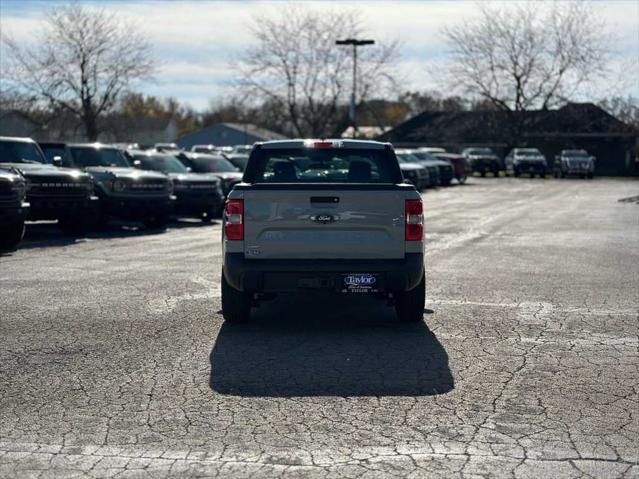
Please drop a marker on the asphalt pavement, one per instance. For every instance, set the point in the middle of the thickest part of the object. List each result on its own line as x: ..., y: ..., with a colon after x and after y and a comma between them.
x: 115, y: 361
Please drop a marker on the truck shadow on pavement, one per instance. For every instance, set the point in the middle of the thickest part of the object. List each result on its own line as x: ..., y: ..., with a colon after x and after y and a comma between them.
x: 294, y: 347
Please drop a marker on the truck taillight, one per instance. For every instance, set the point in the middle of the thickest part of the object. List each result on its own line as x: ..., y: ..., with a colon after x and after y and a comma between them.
x: 234, y: 219
x: 414, y: 220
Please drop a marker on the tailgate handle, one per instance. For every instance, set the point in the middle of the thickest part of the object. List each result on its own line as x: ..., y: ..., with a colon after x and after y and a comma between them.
x: 324, y: 199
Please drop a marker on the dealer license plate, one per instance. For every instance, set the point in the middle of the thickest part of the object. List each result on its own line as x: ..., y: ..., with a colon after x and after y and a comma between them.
x: 360, y: 283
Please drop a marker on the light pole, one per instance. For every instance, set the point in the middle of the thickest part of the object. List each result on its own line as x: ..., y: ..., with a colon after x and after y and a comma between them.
x: 355, y: 43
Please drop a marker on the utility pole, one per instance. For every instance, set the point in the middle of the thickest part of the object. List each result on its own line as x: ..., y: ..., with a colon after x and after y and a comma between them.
x: 355, y: 43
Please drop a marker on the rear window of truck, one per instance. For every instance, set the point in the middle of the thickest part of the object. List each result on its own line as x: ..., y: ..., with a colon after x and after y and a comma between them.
x: 334, y: 165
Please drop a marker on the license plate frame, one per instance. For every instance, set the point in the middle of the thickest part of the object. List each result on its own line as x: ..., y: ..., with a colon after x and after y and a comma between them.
x: 359, y: 283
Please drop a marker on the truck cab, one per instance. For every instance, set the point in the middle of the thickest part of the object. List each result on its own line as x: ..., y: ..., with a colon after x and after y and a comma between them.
x: 326, y: 215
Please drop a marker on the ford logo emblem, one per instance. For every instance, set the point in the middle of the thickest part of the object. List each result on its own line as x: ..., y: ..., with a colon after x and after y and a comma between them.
x: 324, y: 218
x: 360, y: 280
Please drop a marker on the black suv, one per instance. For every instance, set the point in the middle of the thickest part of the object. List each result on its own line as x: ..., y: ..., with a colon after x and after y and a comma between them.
x: 54, y: 193
x: 13, y: 208
x: 197, y: 194
x: 124, y: 192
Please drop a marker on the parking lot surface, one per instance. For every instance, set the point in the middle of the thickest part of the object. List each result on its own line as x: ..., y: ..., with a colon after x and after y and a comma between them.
x: 115, y: 360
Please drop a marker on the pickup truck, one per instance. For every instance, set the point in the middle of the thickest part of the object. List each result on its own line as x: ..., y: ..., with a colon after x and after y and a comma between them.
x: 574, y: 162
x: 334, y: 216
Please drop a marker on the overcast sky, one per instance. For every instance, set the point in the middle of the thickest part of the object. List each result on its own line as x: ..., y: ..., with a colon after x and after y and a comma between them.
x: 196, y: 40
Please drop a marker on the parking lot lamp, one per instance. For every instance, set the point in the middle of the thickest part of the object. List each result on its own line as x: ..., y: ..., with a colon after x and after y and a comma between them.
x: 355, y: 43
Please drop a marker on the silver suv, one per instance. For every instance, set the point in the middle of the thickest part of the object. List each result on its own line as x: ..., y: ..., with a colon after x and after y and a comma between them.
x: 328, y: 215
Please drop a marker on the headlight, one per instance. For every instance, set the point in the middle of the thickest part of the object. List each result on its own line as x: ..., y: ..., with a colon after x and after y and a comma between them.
x: 118, y: 186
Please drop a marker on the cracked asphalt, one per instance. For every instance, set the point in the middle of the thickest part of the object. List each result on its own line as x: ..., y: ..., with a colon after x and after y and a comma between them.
x: 115, y: 362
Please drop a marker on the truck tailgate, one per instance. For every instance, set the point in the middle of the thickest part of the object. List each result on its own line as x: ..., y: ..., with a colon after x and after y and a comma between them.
x: 324, y: 224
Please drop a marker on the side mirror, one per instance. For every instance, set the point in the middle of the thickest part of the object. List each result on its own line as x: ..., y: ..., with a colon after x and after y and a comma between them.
x: 57, y: 161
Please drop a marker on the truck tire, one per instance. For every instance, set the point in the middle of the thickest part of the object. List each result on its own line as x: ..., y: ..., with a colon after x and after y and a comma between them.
x: 236, y: 305
x: 11, y: 235
x: 542, y: 174
x: 462, y: 179
x: 590, y: 176
x: 409, y: 305
x: 516, y: 173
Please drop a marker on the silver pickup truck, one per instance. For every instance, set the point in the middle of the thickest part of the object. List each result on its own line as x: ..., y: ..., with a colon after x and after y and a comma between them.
x: 331, y: 215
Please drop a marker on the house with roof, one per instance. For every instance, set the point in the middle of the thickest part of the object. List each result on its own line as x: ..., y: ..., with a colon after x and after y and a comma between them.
x: 574, y: 126
x: 228, y: 134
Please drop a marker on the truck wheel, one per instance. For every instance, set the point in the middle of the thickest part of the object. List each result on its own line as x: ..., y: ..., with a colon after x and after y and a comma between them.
x: 462, y: 179
x: 516, y: 173
x: 236, y: 305
x: 590, y: 175
x: 542, y: 174
x: 496, y: 173
x: 483, y: 173
x: 11, y: 235
x: 409, y: 305
x: 446, y: 182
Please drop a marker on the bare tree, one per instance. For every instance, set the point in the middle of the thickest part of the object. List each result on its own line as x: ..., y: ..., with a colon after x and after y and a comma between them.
x: 296, y: 65
x: 82, y: 61
x: 623, y: 108
x: 527, y: 55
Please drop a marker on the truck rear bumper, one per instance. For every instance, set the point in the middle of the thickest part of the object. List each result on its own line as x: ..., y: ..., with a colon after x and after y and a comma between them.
x: 285, y: 275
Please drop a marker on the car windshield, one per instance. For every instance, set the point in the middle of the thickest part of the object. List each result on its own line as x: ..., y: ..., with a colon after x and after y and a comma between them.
x: 423, y: 155
x: 90, y: 156
x: 20, y: 152
x: 212, y: 164
x: 306, y: 165
x: 163, y: 163
x: 407, y: 158
x: 528, y: 152
x: 239, y: 160
x: 480, y: 151
x: 576, y: 154
x: 51, y: 151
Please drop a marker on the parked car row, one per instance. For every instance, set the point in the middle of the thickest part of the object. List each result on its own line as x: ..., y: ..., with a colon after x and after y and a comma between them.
x: 427, y: 170
x: 530, y: 161
x: 85, y: 185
